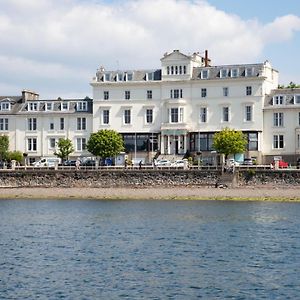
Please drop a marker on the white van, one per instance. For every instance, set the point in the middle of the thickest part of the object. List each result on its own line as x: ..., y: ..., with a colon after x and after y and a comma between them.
x: 47, y: 162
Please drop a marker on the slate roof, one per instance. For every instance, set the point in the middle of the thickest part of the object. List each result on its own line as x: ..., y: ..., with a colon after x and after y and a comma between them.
x: 19, y: 107
x: 288, y: 93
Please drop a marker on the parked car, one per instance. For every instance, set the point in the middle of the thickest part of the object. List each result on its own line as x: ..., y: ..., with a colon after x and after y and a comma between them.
x: 47, y: 162
x: 248, y: 161
x: 232, y: 162
x: 178, y: 163
x: 69, y: 163
x: 281, y: 164
x: 88, y: 163
x: 163, y: 162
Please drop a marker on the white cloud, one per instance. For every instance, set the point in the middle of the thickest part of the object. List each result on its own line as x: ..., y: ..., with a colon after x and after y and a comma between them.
x: 69, y: 39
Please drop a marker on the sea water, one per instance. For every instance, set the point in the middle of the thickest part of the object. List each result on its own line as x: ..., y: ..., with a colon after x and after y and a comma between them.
x: 88, y: 249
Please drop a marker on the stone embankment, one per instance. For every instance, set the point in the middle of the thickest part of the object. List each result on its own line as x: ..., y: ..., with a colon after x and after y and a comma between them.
x: 93, y: 178
x: 144, y: 178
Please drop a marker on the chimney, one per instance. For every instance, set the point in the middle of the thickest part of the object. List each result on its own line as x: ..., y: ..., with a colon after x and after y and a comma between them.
x: 29, y: 95
x: 206, y: 59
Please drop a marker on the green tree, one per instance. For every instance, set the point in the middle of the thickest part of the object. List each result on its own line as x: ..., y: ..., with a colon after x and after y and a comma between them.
x: 293, y: 85
x: 65, y: 148
x: 105, y: 143
x: 15, y: 155
x: 229, y: 141
x: 4, y: 145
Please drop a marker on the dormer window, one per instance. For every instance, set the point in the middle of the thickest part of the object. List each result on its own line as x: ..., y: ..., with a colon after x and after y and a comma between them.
x: 204, y: 74
x: 5, y: 106
x: 278, y: 100
x: 248, y: 72
x: 81, y: 106
x: 234, y: 72
x: 107, y: 77
x: 120, y: 77
x: 297, y: 99
x: 149, y: 76
x: 33, y: 106
x: 224, y: 73
x: 49, y: 106
x: 64, y: 106
x: 129, y: 76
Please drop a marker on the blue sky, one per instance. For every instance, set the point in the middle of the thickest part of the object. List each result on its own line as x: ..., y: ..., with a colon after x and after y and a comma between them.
x: 55, y: 47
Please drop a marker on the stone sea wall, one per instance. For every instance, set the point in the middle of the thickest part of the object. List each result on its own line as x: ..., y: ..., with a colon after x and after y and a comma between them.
x: 128, y: 178
x: 143, y: 178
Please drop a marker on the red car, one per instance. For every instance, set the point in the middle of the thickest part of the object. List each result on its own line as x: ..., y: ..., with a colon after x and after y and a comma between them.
x: 281, y: 164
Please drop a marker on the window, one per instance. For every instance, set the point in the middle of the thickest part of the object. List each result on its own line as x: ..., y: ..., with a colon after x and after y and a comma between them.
x: 32, y: 106
x: 225, y: 117
x: 81, y: 106
x: 248, y: 113
x: 5, y: 106
x: 31, y: 144
x: 81, y: 123
x: 248, y: 90
x: 184, y: 69
x: 168, y: 70
x: 278, y: 119
x: 175, y: 94
x: 248, y: 72
x: 224, y: 73
x: 129, y: 76
x: 278, y: 141
x: 176, y: 115
x: 297, y: 99
x: 51, y: 125
x: 225, y: 91
x: 298, y: 141
x: 49, y: 106
x: 31, y: 124
x: 105, y: 116
x: 149, y: 116
x: 203, y: 93
x: 203, y: 114
x: 172, y: 70
x: 3, y: 124
x: 106, y: 95
x: 107, y: 77
x: 234, y: 72
x: 120, y: 77
x: 252, y: 141
x: 80, y: 144
x: 52, y: 143
x: 149, y: 94
x: 204, y: 74
x: 299, y: 118
x: 180, y: 69
x: 127, y: 95
x: 278, y: 100
x: 62, y: 124
x: 64, y: 106
x: 127, y: 116
x: 150, y: 76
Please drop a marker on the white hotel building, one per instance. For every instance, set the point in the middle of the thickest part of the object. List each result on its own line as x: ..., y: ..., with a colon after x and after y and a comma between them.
x: 173, y: 110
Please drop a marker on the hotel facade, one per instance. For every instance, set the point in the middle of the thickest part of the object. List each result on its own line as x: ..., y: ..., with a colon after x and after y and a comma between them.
x: 169, y: 111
